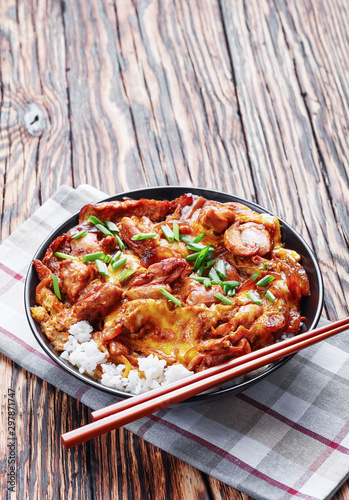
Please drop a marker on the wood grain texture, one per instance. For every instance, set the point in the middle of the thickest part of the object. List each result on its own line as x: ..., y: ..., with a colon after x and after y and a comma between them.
x: 246, y: 97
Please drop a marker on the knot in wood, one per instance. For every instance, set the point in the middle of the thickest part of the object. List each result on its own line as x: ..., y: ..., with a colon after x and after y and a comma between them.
x: 35, y: 119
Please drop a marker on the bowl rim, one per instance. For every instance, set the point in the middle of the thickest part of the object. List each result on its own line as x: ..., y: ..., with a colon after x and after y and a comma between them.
x: 72, y: 220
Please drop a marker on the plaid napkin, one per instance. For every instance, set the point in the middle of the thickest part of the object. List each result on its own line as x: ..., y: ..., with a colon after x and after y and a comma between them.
x: 285, y: 437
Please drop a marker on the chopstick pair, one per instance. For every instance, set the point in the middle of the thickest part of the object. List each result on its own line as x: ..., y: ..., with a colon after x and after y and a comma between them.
x: 136, y: 407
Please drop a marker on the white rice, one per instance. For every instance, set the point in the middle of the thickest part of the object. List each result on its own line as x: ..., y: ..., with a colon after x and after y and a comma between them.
x: 82, y: 351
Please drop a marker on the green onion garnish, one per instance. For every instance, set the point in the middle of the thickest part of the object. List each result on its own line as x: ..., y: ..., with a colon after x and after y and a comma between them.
x: 119, y: 263
x: 79, y: 235
x: 231, y: 292
x: 93, y: 256
x: 112, y: 226
x: 209, y: 263
x: 192, y: 256
x: 120, y: 242
x: 169, y: 296
x: 232, y: 283
x: 103, y: 229
x: 175, y: 229
x: 186, y: 239
x: 106, y: 259
x: 201, y: 270
x: 223, y: 299
x: 204, y: 281
x: 266, y: 266
x: 196, y: 247
x: 102, y: 268
x: 201, y: 257
x: 220, y: 269
x: 266, y: 280
x: 126, y: 273
x: 255, y: 276
x: 144, y: 236
x: 270, y: 296
x: 213, y: 275
x: 116, y: 257
x: 95, y: 220
x: 61, y: 255
x: 168, y: 233
x: 199, y: 237
x: 255, y: 298
x: 55, y: 284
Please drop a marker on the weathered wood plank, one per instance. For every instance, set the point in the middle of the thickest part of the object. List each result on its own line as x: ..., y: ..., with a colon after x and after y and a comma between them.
x: 34, y: 135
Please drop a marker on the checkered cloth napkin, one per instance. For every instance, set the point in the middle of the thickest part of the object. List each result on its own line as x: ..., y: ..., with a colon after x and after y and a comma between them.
x: 285, y: 437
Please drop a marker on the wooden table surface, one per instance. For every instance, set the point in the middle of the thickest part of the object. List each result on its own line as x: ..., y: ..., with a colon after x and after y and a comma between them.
x: 246, y: 97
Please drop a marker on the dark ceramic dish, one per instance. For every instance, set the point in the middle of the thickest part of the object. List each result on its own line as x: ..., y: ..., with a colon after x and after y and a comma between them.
x: 311, y: 306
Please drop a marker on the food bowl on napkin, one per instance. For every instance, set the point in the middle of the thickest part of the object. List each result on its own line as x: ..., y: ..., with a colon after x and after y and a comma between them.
x: 311, y: 305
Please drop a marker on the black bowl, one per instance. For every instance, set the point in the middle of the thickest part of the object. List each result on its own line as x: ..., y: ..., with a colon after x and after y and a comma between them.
x: 311, y: 306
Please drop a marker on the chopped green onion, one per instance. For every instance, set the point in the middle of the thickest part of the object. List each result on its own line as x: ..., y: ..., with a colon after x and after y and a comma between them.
x: 266, y: 266
x: 255, y: 276
x: 186, y: 239
x: 255, y: 298
x: 201, y: 270
x: 168, y: 233
x: 220, y: 269
x: 119, y: 263
x: 93, y: 256
x: 169, y: 296
x: 232, y: 283
x: 126, y: 273
x: 106, y: 259
x: 231, y: 292
x: 213, y: 275
x: 266, y: 280
x: 116, y: 257
x: 103, y: 229
x: 270, y: 296
x: 209, y: 263
x: 223, y: 299
x: 55, y: 284
x: 102, y: 268
x: 112, y: 226
x: 204, y: 281
x: 175, y: 229
x: 95, y: 220
x: 61, y: 255
x: 120, y: 242
x: 144, y: 236
x: 201, y: 258
x: 192, y: 256
x: 199, y: 237
x: 196, y: 247
x: 79, y: 235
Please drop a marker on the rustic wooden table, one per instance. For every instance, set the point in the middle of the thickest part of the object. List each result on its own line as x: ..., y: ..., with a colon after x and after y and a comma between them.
x: 246, y: 97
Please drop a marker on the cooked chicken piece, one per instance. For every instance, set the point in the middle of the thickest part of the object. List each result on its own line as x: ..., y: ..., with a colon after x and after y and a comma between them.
x: 116, y: 210
x: 216, y: 218
x: 96, y: 300
x: 195, y: 293
x: 131, y: 227
x: 87, y: 244
x: 146, y: 292
x: 247, y: 239
x: 76, y: 276
x: 163, y: 272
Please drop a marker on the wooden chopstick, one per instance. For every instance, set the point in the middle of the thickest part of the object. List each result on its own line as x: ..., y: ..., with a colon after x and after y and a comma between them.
x: 152, y: 401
